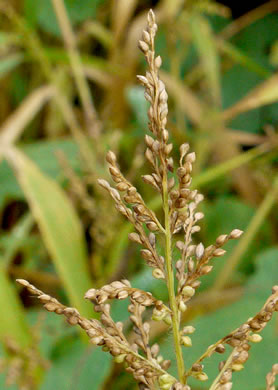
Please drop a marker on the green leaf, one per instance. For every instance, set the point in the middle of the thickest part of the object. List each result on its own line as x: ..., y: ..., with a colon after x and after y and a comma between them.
x: 256, y: 38
x: 241, y: 58
x: 54, y: 330
x: 77, y: 11
x: 59, y: 225
x: 213, y: 327
x: 263, y: 94
x: 16, y: 239
x: 139, y: 105
x: 3, y: 384
x: 237, y: 216
x: 236, y: 83
x: 77, y: 367
x: 31, y: 9
x: 13, y: 324
x: 43, y: 153
x: 223, y: 321
x: 10, y: 62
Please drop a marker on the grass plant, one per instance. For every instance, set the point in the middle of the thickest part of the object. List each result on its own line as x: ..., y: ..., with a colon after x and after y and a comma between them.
x: 175, y: 229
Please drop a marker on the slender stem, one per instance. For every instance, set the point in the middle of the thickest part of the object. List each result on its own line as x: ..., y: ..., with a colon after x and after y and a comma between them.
x: 34, y: 47
x: 147, y: 362
x: 170, y: 283
x: 206, y: 354
x: 225, y: 367
x: 77, y: 67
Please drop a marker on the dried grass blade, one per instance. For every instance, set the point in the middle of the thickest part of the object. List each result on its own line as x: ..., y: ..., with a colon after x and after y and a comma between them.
x: 121, y: 14
x: 93, y: 122
x: 219, y: 170
x: 265, y: 93
x: 14, y: 126
x: 238, y: 56
x: 247, y: 19
x: 250, y: 234
x: 184, y: 98
x: 12, y: 325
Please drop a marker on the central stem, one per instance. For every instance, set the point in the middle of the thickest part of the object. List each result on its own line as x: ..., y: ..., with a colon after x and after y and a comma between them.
x: 170, y: 282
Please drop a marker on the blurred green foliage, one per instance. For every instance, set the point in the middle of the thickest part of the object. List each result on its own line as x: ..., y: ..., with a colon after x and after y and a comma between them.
x: 210, y: 64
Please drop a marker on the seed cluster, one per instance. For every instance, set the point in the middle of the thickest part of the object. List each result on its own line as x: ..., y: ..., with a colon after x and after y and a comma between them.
x: 240, y: 340
x: 21, y: 364
x: 270, y: 378
x: 195, y: 259
x: 183, y: 201
x: 122, y: 290
x: 133, y: 207
x: 147, y: 367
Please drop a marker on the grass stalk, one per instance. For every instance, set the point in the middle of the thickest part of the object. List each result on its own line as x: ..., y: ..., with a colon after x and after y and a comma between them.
x: 38, y: 53
x: 77, y: 67
x: 215, y: 383
x: 170, y: 283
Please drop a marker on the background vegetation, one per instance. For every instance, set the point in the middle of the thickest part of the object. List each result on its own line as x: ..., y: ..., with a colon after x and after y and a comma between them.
x: 68, y: 94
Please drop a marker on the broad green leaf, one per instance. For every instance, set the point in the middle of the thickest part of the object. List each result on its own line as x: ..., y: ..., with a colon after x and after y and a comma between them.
x: 43, y: 154
x: 18, y: 237
x: 3, y: 383
x: 254, y: 41
x: 8, y: 63
x: 237, y: 82
x: 250, y: 236
x: 213, y: 327
x: 13, y: 324
x: 139, y: 105
x: 77, y: 11
x: 256, y: 38
x: 54, y: 330
x: 59, y: 225
x: 77, y: 367
x: 31, y: 10
x: 237, y: 216
x: 265, y: 93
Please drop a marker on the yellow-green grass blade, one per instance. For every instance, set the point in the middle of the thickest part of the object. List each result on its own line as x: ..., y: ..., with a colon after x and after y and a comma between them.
x: 205, y: 44
x: 59, y: 225
x: 264, y: 93
x: 12, y: 325
x: 238, y: 56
